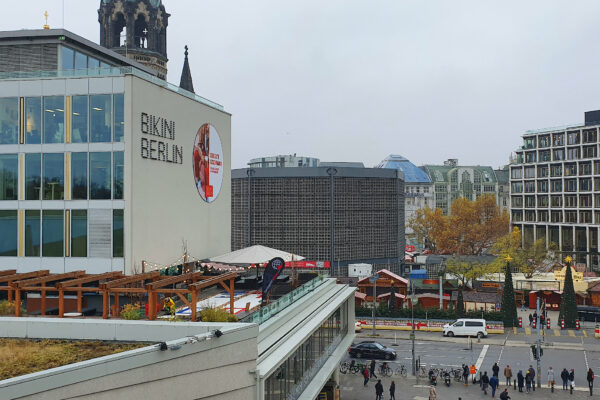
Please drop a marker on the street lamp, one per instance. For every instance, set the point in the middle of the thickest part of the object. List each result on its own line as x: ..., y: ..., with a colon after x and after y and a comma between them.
x: 413, y: 299
x: 373, y: 280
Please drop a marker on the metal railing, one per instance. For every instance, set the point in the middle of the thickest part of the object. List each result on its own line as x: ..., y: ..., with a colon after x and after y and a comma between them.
x: 105, y: 72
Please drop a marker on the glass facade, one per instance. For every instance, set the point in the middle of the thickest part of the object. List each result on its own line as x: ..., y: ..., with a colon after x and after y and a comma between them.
x: 79, y: 176
x: 8, y: 233
x: 117, y: 233
x: 32, y: 233
x: 79, y: 119
x: 9, y: 120
x: 33, y: 120
x: 119, y: 117
x: 100, y: 118
x: 33, y: 176
x: 100, y: 176
x: 68, y: 58
x: 53, y: 176
x: 54, y: 119
x: 53, y: 233
x: 287, y: 381
x: 79, y: 233
x: 9, y: 176
x: 118, y: 175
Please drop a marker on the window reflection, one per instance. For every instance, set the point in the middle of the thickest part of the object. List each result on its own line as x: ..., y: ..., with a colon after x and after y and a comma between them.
x: 33, y: 176
x: 33, y: 120
x: 100, y: 120
x: 117, y: 233
x: 9, y: 175
x: 8, y: 230
x: 79, y: 119
x: 54, y: 176
x: 100, y: 176
x: 32, y: 233
x: 118, y: 175
x: 67, y: 58
x: 79, y: 233
x: 79, y: 176
x: 9, y: 120
x: 54, y: 119
x: 52, y: 233
x: 119, y: 113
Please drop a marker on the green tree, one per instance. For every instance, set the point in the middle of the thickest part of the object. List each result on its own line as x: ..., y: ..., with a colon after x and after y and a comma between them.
x: 460, y: 304
x: 568, y: 304
x: 466, y: 269
x: 509, y: 305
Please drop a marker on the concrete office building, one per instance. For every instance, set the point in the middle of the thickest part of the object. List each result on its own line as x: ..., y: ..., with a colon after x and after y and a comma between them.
x: 102, y: 164
x: 283, y: 161
x: 503, y: 194
x: 290, y: 350
x: 337, y: 214
x: 451, y: 181
x: 418, y: 190
x: 555, y: 188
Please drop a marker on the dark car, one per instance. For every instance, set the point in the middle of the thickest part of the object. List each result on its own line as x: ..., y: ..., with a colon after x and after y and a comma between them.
x: 371, y: 349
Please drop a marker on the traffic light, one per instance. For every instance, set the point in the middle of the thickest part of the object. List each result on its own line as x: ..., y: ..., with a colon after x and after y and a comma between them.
x: 534, y: 351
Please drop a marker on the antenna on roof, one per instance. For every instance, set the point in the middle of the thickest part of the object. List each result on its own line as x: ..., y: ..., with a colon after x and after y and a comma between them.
x: 46, y: 26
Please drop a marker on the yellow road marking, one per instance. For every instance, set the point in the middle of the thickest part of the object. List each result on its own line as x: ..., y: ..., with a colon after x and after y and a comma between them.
x: 528, y: 331
x: 584, y: 333
x: 571, y: 333
x: 514, y: 330
x: 556, y: 332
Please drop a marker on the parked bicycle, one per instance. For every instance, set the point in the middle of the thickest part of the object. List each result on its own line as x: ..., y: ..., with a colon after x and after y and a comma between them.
x: 385, y: 370
x: 401, y: 371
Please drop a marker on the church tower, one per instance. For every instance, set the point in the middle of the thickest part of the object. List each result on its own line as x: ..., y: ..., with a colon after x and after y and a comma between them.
x: 136, y: 29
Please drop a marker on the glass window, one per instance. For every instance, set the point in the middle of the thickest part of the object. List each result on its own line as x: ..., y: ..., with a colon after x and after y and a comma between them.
x: 79, y: 176
x: 558, y: 139
x: 100, y: 120
x: 80, y: 61
x: 32, y: 233
x: 8, y: 233
x: 33, y: 120
x: 52, y: 233
x: 54, y: 176
x: 104, y: 65
x: 9, y: 120
x: 79, y: 119
x: 54, y: 119
x: 93, y: 63
x: 9, y: 176
x: 119, y: 114
x: 118, y: 175
x: 117, y: 233
x: 33, y: 176
x: 67, y: 58
x: 558, y: 154
x: 79, y: 233
x: 100, y: 176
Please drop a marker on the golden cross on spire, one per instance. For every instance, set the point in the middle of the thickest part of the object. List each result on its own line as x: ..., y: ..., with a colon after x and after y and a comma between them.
x: 46, y: 26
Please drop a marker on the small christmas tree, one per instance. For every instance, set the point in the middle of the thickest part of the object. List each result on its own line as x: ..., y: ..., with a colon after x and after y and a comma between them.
x: 568, y: 304
x: 460, y: 304
x: 509, y: 305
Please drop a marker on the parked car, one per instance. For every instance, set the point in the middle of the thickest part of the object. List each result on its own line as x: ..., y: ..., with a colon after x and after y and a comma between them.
x: 370, y: 349
x: 357, y: 326
x: 466, y: 327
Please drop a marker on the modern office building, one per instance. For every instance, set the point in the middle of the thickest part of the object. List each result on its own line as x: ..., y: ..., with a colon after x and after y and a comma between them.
x: 338, y: 214
x: 555, y: 188
x: 503, y: 193
x: 283, y: 161
x: 103, y: 165
x: 418, y: 190
x: 451, y: 181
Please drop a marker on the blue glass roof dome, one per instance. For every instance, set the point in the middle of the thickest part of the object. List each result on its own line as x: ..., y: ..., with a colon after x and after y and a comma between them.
x: 412, y: 173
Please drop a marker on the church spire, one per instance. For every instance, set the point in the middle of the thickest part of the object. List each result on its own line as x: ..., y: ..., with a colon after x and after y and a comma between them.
x: 186, y: 75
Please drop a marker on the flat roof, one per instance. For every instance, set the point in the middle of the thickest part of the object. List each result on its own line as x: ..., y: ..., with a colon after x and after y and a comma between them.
x: 317, y: 172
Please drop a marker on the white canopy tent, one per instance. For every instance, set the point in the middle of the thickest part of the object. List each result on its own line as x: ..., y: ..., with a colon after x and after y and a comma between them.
x: 256, y: 254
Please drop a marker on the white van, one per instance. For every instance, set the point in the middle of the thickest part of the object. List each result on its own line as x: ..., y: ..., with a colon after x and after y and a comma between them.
x: 466, y: 327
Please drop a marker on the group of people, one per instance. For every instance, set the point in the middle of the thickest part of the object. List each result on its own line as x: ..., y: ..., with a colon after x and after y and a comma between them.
x: 368, y: 373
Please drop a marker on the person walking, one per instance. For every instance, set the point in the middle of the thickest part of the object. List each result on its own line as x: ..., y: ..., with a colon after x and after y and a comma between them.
x: 495, y: 370
x: 504, y: 395
x: 432, y: 393
x: 532, y: 374
x: 571, y: 380
x: 590, y: 379
x: 494, y: 385
x: 485, y: 380
x: 373, y: 364
x: 564, y: 375
x: 520, y: 380
x: 530, y: 319
x: 508, y: 374
x: 378, y: 390
x: 366, y: 376
x: 550, y: 376
x: 466, y: 374
x: 392, y: 391
x: 527, y: 382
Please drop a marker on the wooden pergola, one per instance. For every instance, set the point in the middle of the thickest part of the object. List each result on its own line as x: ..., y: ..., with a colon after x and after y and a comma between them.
x: 7, y: 278
x: 31, y: 285
x: 76, y: 285
x: 119, y: 286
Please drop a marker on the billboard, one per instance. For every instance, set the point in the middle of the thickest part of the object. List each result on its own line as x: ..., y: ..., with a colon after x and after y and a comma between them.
x: 307, y: 264
x: 208, y: 163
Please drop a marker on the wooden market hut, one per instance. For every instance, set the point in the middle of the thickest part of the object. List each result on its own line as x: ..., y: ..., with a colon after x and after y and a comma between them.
x: 385, y: 281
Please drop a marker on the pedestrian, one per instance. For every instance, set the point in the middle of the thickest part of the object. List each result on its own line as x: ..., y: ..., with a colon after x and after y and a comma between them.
x: 485, y: 380
x: 550, y: 376
x: 508, y: 374
x: 527, y: 382
x: 373, y: 364
x: 523, y: 306
x: 495, y: 370
x: 494, y: 385
x: 564, y: 375
x: 532, y: 373
x: 530, y: 319
x: 520, y: 380
x: 572, y: 380
x: 432, y: 393
x: 366, y: 376
x: 466, y: 374
x: 392, y: 391
x: 590, y: 379
x: 378, y: 390
x: 473, y: 372
x: 504, y: 395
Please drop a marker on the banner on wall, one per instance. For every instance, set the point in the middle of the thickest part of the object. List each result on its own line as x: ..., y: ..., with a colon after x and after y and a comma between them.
x: 207, y: 159
x: 272, y: 271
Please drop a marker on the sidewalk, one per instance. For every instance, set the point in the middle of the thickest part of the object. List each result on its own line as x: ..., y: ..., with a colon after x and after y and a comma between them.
x: 407, y: 388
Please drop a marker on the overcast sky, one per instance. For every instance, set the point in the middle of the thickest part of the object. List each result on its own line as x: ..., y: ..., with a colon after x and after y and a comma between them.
x: 356, y: 80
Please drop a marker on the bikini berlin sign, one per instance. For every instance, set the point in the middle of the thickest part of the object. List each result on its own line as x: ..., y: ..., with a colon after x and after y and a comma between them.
x: 157, y: 142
